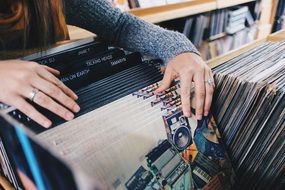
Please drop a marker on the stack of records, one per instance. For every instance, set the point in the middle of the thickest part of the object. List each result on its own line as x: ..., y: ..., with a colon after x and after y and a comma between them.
x: 125, y: 136
x: 249, y: 107
x: 236, y: 19
x: 218, y: 23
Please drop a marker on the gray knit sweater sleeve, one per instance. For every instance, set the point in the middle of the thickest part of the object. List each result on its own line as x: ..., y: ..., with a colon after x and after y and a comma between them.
x: 125, y: 30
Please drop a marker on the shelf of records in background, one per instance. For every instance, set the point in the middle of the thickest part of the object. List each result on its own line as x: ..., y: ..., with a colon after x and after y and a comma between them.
x: 162, y: 10
x: 224, y: 30
x: 217, y: 32
x: 126, y: 5
x: 215, y: 26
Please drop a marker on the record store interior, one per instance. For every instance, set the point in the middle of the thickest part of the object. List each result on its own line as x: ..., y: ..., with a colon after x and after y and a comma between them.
x: 142, y: 94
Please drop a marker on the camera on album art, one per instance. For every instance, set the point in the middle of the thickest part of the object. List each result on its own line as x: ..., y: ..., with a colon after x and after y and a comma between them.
x: 142, y: 179
x: 171, y: 170
x: 178, y: 130
x: 165, y: 169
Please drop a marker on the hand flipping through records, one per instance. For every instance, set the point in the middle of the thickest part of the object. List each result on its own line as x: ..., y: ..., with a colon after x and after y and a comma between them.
x: 22, y: 80
x: 190, y: 67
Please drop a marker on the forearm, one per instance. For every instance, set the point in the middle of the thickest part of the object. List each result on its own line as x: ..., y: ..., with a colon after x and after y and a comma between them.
x: 126, y: 30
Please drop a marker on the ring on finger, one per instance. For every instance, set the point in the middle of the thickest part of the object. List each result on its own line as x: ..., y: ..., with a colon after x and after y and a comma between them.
x: 210, y: 81
x: 33, y: 94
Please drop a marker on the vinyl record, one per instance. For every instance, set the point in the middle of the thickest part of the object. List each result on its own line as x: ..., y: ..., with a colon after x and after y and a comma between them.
x: 182, y: 138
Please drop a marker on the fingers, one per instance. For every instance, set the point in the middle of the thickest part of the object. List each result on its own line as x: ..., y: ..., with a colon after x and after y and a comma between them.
x: 31, y: 112
x: 186, y: 81
x: 23, y: 79
x: 209, y: 93
x: 53, y: 95
x: 56, y: 93
x: 191, y: 67
x: 51, y: 78
x: 200, y: 91
x: 48, y: 103
x: 67, y: 90
x: 53, y: 71
x: 166, y: 81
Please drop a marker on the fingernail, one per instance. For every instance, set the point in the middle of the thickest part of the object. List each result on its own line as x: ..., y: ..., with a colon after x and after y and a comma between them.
x: 206, y: 114
x: 76, y: 108
x: 187, y: 114
x: 75, y: 96
x: 69, y: 116
x: 156, y: 91
x: 47, y: 124
x: 198, y: 117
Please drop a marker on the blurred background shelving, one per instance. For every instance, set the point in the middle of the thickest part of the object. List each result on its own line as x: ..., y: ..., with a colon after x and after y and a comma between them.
x: 207, y: 23
x: 166, y: 12
x: 159, y: 13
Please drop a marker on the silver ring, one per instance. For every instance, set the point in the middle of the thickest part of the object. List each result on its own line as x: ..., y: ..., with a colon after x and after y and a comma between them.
x: 210, y: 81
x: 33, y: 94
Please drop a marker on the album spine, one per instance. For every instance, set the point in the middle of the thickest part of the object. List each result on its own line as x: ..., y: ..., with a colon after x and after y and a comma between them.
x: 92, y: 72
x: 90, y: 61
x: 7, y: 173
x: 61, y: 59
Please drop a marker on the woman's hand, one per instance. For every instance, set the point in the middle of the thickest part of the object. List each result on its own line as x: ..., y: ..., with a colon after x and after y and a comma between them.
x: 190, y: 67
x: 22, y: 80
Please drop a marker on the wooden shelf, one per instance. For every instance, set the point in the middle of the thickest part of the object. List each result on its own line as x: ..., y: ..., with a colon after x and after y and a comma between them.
x: 172, y: 11
x: 76, y: 33
x: 234, y: 53
x: 277, y: 36
x: 218, y: 36
x: 183, y: 9
x: 229, y: 3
